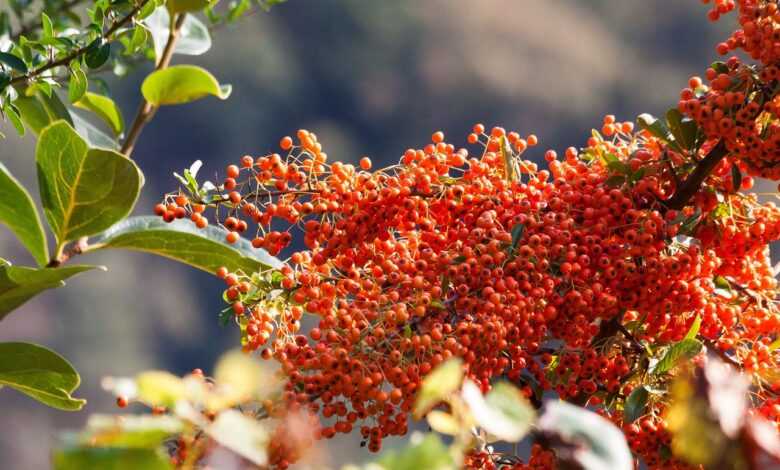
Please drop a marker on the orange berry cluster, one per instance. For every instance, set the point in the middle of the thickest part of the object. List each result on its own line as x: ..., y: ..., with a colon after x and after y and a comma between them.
x: 490, y: 259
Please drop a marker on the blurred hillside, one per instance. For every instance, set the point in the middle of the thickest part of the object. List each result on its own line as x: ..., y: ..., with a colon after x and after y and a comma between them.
x: 370, y: 77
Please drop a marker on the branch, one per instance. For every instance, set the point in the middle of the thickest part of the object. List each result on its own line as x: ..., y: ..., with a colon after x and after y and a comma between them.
x: 691, y: 185
x: 146, y: 110
x: 80, y: 51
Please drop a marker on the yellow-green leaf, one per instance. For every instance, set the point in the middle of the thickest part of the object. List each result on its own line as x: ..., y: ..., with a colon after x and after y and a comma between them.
x: 159, y: 388
x: 105, y: 108
x: 180, y: 6
x: 181, y: 84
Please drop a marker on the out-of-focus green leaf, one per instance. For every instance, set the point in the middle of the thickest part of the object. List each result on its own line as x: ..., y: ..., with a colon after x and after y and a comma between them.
x: 445, y: 379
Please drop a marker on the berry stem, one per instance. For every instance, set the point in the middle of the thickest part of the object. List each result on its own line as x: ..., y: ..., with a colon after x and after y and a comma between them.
x: 692, y: 184
x: 146, y: 110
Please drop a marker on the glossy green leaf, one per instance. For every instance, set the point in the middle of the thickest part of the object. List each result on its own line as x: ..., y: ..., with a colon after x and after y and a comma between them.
x: 181, y: 84
x: 504, y: 412
x: 428, y: 453
x: 41, y: 374
x: 84, y: 191
x: 78, y: 83
x: 599, y: 444
x: 685, y: 349
x: 39, y: 110
x: 18, y: 284
x: 48, y: 28
x: 110, y: 458
x: 182, y: 241
x: 94, y: 136
x: 180, y: 6
x: 18, y: 213
x: 13, y: 61
x: 105, y: 108
x: 12, y: 113
x: 98, y: 54
x: 438, y: 384
x: 684, y: 129
x: 658, y: 129
x: 635, y: 404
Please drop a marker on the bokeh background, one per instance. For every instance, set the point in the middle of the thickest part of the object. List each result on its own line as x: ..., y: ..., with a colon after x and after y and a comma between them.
x: 370, y: 77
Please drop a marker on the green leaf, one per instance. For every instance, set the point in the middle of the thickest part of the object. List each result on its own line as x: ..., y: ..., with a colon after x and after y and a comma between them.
x: 182, y: 241
x: 130, y: 431
x: 243, y: 435
x: 504, y: 412
x: 443, y: 422
x: 13, y: 62
x: 635, y: 404
x: 180, y: 6
x: 105, y: 108
x: 110, y: 458
x: 18, y: 284
x: 83, y: 190
x: 48, y: 28
x: 428, y: 453
x: 684, y: 129
x: 194, y: 37
x: 685, y: 349
x: 39, y: 110
x: 517, y: 234
x: 78, y: 83
x: 181, y: 84
x: 41, y: 374
x: 775, y: 344
x: 437, y: 385
x: 98, y: 54
x: 94, y: 136
x: 694, y: 329
x: 12, y: 113
x: 18, y: 213
x: 736, y: 177
x: 615, y: 181
x: 658, y: 129
x: 600, y: 444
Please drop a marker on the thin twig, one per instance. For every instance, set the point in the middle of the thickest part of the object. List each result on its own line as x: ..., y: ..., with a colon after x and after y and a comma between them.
x: 80, y: 51
x: 146, y: 110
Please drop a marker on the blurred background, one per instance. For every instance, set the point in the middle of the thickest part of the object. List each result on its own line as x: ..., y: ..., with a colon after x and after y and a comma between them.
x: 370, y: 77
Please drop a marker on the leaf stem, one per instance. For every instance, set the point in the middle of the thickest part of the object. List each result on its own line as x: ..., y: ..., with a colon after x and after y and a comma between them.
x: 80, y: 51
x: 146, y: 110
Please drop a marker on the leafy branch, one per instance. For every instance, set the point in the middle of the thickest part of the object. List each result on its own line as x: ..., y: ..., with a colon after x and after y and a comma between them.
x: 67, y: 59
